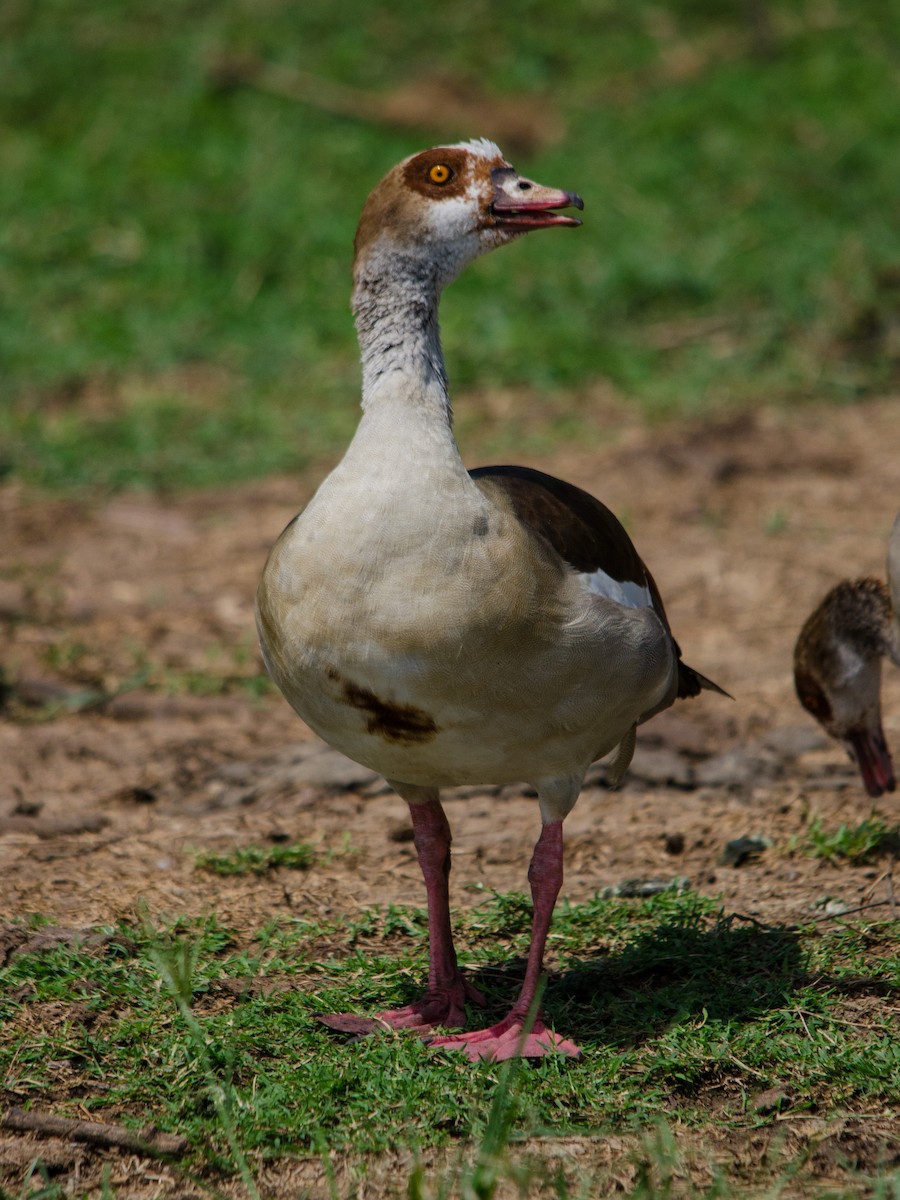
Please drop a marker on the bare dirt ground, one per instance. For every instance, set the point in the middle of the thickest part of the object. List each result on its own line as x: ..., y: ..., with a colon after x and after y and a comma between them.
x: 745, y: 524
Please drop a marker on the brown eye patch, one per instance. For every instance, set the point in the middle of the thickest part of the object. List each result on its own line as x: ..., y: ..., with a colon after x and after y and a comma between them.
x: 437, y: 173
x: 813, y: 698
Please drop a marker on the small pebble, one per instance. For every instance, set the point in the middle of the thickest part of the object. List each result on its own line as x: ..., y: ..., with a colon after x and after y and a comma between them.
x: 632, y: 889
x: 743, y: 849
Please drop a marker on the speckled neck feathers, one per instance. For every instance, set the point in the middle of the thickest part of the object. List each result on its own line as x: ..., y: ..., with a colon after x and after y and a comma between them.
x: 395, y: 302
x: 857, y: 615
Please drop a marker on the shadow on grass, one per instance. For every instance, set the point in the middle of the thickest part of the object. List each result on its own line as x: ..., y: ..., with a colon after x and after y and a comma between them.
x: 674, y: 961
x: 679, y: 969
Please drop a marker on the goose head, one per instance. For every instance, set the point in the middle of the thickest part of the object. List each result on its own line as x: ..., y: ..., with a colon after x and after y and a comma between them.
x: 837, y: 674
x: 438, y: 210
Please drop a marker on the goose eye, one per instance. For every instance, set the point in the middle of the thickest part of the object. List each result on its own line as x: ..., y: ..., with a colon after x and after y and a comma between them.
x: 440, y: 173
x: 814, y: 701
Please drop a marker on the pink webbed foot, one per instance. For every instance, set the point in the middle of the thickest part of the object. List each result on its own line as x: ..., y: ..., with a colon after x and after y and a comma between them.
x: 444, y: 1007
x: 508, y: 1040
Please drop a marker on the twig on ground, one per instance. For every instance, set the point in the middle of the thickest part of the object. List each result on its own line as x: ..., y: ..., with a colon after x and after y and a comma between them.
x: 148, y: 1141
x: 849, y: 912
x: 761, y: 925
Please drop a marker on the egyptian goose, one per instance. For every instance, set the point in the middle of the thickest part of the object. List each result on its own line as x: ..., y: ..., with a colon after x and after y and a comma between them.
x: 448, y: 627
x: 837, y: 666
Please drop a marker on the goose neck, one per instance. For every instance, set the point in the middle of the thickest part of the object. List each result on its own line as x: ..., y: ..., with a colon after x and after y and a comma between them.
x: 395, y: 305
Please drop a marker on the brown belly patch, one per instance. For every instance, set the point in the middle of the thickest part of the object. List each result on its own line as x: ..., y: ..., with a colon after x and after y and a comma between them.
x: 403, y: 723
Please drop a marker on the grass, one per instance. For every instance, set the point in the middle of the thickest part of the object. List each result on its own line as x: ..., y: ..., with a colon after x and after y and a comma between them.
x: 674, y: 1003
x: 257, y: 860
x: 856, y: 844
x: 83, y: 675
x: 177, y: 966
x: 174, y: 253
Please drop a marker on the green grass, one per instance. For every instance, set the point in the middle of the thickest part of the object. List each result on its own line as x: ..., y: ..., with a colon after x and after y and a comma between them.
x: 89, y: 676
x: 174, y: 254
x: 675, y: 1005
x: 257, y: 860
x: 856, y: 844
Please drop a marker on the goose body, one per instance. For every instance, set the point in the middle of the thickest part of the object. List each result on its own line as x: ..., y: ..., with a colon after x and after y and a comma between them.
x: 837, y: 666
x: 445, y: 626
x: 448, y: 657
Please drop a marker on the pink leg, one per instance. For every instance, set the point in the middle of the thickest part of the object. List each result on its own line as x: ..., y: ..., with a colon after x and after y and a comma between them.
x: 508, y: 1038
x: 444, y: 1001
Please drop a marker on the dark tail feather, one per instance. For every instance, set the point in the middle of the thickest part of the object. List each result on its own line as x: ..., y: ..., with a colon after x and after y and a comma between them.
x: 692, y: 683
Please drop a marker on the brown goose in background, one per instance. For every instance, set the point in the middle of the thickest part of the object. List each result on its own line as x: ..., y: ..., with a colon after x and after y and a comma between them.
x: 447, y: 627
x: 837, y: 666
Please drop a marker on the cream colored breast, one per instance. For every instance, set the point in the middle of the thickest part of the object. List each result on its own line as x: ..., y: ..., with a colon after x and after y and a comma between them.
x: 366, y: 576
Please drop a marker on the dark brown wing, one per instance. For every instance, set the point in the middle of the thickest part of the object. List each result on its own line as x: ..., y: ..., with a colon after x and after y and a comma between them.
x: 582, y: 531
x: 586, y: 535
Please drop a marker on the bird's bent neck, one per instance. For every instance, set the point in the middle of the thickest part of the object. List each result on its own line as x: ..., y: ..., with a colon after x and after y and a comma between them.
x: 861, y: 618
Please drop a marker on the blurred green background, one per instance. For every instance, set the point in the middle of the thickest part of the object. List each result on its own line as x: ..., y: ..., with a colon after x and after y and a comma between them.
x: 181, y: 179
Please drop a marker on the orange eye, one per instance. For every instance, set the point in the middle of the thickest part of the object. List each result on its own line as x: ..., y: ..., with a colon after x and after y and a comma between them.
x: 440, y: 173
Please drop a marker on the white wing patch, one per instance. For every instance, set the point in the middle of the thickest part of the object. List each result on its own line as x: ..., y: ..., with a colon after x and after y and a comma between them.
x: 624, y: 592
